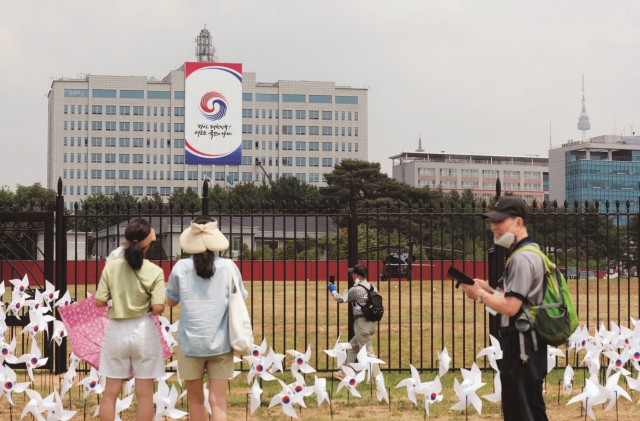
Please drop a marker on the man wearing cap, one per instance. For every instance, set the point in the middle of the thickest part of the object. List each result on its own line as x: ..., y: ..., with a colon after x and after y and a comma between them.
x: 523, y: 368
x: 363, y: 328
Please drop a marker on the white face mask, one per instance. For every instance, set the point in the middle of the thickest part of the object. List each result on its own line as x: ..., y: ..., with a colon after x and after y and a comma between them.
x: 507, y: 239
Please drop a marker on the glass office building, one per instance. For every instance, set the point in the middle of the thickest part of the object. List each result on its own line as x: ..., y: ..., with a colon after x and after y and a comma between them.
x: 605, y: 168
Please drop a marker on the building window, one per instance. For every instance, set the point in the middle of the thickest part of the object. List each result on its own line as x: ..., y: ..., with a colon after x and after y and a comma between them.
x: 267, y: 97
x: 131, y: 94
x: 301, y: 114
x: 294, y: 98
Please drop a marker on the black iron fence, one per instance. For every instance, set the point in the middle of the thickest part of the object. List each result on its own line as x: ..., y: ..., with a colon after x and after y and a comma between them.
x: 288, y: 251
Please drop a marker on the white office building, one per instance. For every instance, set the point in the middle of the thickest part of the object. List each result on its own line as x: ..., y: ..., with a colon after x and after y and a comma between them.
x: 525, y: 176
x: 126, y: 134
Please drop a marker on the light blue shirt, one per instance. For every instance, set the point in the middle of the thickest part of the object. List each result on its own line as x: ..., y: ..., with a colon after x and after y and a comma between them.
x: 203, y: 330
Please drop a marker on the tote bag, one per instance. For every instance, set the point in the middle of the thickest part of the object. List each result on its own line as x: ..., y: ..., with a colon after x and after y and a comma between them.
x: 240, y: 331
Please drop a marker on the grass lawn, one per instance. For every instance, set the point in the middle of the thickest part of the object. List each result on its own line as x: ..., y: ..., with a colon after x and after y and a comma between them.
x: 420, y: 318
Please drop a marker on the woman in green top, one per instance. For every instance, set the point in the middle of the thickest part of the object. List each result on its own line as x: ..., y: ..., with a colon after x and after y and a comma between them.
x: 131, y: 344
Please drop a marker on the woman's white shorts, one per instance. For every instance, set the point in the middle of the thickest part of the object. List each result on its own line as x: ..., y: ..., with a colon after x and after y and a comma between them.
x: 132, y: 347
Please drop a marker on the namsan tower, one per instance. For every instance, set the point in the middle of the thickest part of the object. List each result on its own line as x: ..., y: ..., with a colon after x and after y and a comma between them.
x: 583, y: 122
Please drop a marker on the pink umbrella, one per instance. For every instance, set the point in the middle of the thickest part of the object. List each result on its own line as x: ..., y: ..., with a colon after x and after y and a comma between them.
x: 86, y: 325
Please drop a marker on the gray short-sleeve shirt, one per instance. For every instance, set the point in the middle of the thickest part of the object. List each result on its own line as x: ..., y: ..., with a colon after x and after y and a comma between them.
x: 525, y: 279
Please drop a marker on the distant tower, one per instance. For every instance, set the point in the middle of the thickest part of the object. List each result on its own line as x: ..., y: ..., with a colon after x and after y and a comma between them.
x: 419, y: 144
x: 205, y: 51
x: 583, y: 121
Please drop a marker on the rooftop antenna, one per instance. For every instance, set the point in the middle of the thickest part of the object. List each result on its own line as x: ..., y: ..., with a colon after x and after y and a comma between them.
x: 419, y: 144
x: 205, y: 51
x: 583, y: 121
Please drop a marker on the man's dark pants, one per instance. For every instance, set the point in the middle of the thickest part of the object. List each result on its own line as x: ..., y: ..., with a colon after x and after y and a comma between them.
x: 522, y: 398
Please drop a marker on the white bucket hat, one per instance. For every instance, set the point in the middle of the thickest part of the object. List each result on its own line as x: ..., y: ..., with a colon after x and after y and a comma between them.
x: 200, y: 237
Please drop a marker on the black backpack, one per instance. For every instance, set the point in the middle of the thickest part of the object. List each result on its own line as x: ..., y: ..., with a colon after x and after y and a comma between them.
x: 373, y: 308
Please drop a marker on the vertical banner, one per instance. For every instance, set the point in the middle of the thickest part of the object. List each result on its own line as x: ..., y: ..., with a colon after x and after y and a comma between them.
x: 213, y: 113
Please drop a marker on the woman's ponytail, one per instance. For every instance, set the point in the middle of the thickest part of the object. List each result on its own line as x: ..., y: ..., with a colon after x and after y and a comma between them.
x: 136, y: 231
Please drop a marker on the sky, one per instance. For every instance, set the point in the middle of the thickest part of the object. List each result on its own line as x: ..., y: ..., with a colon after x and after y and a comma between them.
x: 472, y: 76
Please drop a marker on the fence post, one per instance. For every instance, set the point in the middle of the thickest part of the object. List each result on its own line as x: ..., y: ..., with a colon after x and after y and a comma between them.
x: 352, y: 246
x: 60, y: 363
x: 205, y: 198
x: 496, y: 268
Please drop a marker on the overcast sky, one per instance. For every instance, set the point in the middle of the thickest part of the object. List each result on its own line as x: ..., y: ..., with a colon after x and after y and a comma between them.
x: 483, y: 76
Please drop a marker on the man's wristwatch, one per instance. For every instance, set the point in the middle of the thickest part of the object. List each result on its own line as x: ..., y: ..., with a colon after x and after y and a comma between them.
x: 479, y: 298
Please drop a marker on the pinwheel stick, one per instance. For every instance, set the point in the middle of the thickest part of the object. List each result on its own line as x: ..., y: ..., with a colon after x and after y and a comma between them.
x: 330, y: 404
x: 246, y: 407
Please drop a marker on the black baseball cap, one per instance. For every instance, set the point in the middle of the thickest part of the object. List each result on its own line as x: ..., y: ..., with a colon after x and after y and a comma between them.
x: 507, y: 206
x: 359, y: 270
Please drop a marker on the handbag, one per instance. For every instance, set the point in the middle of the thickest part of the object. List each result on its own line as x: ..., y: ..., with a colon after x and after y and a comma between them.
x: 240, y: 331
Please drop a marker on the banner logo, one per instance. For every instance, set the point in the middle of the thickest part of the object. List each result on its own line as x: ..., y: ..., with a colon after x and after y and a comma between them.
x: 218, y: 107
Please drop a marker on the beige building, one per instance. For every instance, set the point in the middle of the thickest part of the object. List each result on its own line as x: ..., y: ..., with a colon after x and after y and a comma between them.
x: 126, y: 134
x: 526, y: 176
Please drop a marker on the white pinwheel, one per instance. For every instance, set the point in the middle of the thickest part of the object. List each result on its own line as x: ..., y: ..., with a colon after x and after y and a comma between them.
x: 301, y: 361
x: 20, y: 286
x: 381, y: 389
x: 7, y: 351
x: 552, y: 353
x: 339, y: 351
x: 614, y: 391
x: 259, y: 366
x: 33, y: 360
x: 276, y: 361
x: 496, y: 396
x: 365, y: 362
x: 59, y: 332
x: 413, y: 384
x: 17, y: 302
x: 567, y: 380
x: 121, y: 405
x: 9, y: 383
x: 287, y: 399
x: 259, y: 351
x: 431, y: 391
x: 165, y: 400
x: 68, y: 379
x: 593, y: 394
x: 351, y: 380
x: 493, y: 353
x: 50, y: 293
x: 466, y: 391
x: 235, y: 372
x: 91, y: 383
x: 167, y: 329
x: 64, y: 301
x: 617, y: 361
x: 444, y: 359
x: 254, y: 396
x: 38, y: 323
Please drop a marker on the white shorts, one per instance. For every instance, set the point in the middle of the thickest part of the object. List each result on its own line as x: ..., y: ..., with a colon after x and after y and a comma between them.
x: 132, y: 347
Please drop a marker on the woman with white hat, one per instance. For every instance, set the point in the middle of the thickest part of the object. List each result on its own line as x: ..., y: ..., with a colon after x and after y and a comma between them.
x: 201, y: 285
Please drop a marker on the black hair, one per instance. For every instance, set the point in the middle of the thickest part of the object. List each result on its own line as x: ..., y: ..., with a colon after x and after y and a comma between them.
x: 136, y: 231
x: 203, y: 262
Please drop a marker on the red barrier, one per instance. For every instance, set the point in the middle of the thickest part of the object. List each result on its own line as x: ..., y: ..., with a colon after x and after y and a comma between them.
x: 269, y: 270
